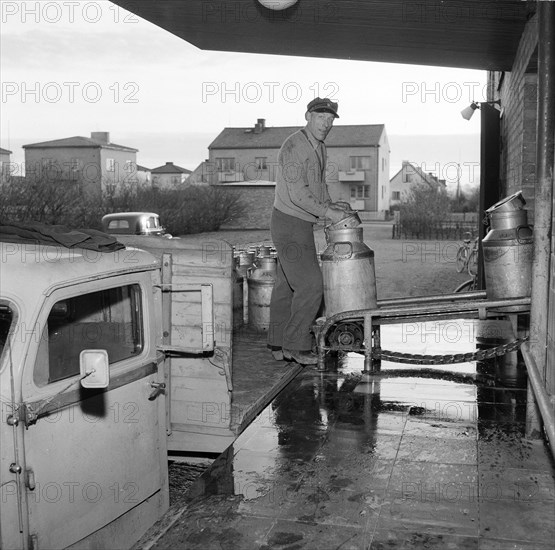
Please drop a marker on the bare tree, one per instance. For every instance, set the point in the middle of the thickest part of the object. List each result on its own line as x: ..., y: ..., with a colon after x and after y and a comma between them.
x: 424, y: 210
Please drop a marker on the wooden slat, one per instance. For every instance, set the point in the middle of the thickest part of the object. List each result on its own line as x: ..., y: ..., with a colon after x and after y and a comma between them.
x: 200, y: 413
x: 199, y: 401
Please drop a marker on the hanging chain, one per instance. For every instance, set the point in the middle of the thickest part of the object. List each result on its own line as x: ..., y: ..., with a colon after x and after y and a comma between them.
x: 415, y: 359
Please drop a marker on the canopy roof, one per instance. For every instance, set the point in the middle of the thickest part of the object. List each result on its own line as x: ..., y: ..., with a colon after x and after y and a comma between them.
x: 473, y: 34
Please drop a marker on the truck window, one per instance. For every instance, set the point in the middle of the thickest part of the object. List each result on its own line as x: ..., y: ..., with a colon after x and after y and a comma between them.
x: 108, y: 319
x: 6, y: 318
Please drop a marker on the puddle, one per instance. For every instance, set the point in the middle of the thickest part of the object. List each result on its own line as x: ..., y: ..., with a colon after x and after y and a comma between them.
x: 421, y: 455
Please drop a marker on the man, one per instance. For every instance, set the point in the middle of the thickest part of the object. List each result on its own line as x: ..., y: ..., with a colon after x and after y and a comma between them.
x: 301, y: 199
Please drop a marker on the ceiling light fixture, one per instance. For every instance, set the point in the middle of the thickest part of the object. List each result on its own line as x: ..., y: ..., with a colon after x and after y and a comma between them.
x: 277, y: 5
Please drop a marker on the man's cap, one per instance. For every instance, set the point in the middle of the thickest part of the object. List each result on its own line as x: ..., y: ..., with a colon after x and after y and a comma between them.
x: 327, y: 105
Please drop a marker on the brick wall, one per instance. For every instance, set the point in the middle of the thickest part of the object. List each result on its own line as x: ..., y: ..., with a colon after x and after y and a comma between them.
x: 517, y: 91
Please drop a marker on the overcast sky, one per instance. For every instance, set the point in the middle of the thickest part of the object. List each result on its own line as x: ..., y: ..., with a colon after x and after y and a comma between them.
x: 70, y: 68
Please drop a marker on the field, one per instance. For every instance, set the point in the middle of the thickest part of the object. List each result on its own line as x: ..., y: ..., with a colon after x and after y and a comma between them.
x: 403, y: 267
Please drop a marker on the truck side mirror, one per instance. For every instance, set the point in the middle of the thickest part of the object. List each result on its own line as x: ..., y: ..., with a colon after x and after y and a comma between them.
x: 94, y: 368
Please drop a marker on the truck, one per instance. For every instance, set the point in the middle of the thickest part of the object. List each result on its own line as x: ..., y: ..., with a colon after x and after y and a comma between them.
x: 110, y: 361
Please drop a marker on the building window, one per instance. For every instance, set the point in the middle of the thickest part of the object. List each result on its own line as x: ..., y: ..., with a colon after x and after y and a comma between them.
x: 110, y: 165
x: 410, y: 173
x: 176, y: 179
x: 75, y: 167
x: 225, y: 164
x: 360, y: 163
x: 260, y: 163
x: 50, y: 169
x: 360, y: 192
x: 49, y: 165
x: 396, y: 195
x: 107, y: 319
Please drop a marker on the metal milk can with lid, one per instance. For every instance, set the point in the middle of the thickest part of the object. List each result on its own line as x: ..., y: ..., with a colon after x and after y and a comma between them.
x: 348, y: 269
x: 261, y: 283
x: 508, y: 249
x: 244, y: 261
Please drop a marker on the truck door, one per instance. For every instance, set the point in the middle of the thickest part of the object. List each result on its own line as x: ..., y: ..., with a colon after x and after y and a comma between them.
x: 94, y: 459
x: 196, y: 277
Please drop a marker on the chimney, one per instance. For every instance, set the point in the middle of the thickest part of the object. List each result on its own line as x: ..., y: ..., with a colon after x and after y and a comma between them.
x: 169, y: 163
x: 102, y: 137
x: 260, y: 125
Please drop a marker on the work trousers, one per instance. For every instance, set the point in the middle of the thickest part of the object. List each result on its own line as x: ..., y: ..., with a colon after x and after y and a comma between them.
x: 298, y: 290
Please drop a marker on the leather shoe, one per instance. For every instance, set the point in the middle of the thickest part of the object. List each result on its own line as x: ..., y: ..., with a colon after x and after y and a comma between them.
x: 277, y: 352
x: 301, y: 357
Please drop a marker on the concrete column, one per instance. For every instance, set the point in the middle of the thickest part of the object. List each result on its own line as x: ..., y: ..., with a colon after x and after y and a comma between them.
x: 543, y: 199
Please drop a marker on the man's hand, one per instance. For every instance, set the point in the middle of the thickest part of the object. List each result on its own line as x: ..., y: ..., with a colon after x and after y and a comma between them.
x: 345, y: 206
x: 334, y: 213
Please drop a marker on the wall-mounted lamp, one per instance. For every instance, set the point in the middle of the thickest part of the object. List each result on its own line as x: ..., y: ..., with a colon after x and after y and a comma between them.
x: 467, y: 112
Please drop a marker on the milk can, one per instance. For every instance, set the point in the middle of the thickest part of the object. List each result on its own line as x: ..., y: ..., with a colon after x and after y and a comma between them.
x: 508, y: 250
x: 260, y: 286
x: 244, y: 260
x: 238, y: 314
x: 348, y: 270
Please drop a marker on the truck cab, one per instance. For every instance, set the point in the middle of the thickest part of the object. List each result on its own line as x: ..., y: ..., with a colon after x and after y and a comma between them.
x: 83, y: 461
x: 79, y: 464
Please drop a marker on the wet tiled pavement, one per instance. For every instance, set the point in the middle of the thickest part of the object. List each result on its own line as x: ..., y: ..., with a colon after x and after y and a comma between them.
x: 422, y: 458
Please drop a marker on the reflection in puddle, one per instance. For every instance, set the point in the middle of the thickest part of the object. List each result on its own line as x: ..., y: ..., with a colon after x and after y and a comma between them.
x: 431, y: 457
x: 321, y: 421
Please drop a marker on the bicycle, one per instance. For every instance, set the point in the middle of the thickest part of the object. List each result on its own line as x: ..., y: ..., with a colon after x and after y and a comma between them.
x: 468, y: 286
x: 467, y: 256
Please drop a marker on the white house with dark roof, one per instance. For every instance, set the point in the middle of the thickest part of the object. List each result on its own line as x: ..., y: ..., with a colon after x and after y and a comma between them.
x: 409, y: 175
x: 169, y: 176
x: 143, y: 175
x: 357, y: 171
x: 95, y: 163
